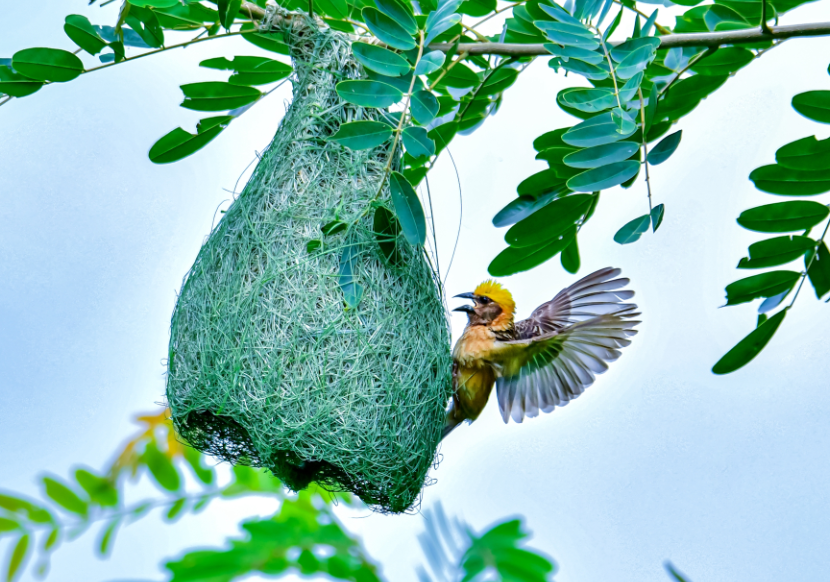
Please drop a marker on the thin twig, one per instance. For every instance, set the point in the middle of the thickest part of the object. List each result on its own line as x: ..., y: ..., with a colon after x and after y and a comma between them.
x: 810, y: 263
x: 644, y: 143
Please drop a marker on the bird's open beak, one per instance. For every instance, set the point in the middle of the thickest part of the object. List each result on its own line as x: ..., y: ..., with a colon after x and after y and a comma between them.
x: 466, y: 308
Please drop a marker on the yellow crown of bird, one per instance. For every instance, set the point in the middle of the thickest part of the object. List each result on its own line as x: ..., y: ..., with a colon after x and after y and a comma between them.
x: 497, y: 293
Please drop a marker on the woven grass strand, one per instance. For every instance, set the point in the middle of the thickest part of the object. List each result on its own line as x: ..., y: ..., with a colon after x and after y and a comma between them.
x: 266, y: 365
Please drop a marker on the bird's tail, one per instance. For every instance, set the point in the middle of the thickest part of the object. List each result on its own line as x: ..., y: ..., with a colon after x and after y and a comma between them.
x: 449, y: 427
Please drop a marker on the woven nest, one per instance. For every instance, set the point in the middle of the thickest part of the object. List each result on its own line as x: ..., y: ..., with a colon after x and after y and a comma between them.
x: 267, y: 366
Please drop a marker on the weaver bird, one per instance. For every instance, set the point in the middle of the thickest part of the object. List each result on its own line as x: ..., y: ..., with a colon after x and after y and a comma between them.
x: 544, y: 361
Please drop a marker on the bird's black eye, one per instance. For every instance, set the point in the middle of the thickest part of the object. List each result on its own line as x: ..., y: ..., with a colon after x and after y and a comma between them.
x: 485, y: 300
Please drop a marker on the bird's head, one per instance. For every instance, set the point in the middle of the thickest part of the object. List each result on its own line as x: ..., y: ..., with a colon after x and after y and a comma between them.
x: 493, y: 306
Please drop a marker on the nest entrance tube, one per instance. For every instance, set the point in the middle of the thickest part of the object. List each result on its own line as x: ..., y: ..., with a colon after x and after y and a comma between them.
x: 267, y: 366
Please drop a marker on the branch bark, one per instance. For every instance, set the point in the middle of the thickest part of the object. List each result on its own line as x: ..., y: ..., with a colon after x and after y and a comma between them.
x: 703, y: 39
x: 697, y: 39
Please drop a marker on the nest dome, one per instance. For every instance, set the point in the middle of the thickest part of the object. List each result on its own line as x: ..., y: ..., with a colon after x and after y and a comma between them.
x: 268, y: 366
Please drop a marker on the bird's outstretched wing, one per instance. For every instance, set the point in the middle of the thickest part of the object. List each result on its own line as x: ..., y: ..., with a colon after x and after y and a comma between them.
x: 572, y: 338
x: 597, y: 294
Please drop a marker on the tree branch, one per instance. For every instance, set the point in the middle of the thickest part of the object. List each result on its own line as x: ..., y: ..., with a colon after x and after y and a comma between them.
x: 702, y: 39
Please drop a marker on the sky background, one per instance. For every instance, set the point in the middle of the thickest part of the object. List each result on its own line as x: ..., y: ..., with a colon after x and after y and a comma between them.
x: 660, y: 459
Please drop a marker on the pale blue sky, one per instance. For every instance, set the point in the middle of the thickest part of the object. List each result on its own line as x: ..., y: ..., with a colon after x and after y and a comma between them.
x: 725, y: 476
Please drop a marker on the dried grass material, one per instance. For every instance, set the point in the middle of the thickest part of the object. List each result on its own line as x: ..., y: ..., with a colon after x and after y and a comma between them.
x: 266, y: 366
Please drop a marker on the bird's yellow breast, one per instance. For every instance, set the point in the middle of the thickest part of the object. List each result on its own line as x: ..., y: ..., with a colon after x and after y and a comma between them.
x: 474, y: 347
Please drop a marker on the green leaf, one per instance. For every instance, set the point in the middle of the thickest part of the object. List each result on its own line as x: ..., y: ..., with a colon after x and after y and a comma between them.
x: 333, y: 227
x: 567, y: 39
x: 387, y: 230
x: 784, y: 216
x: 362, y: 135
x: 633, y: 230
x: 380, y: 60
x: 635, y: 61
x: 175, y: 509
x: 686, y: 94
x: 81, y: 32
x: 179, y: 144
x: 52, y: 538
x: 555, y: 156
x: 18, y: 557
x: 424, y: 107
x: 64, y: 496
x: 250, y: 70
x: 430, y: 62
x: 217, y: 96
x: 749, y: 347
x: 369, y: 93
x: 161, y: 467
x: 146, y: 25
x: 651, y: 108
x: 623, y: 121
x: 657, y: 217
x: 417, y: 142
x: 47, y: 64
x: 777, y: 179
x: 336, y: 8
x: 572, y: 52
x: 387, y: 30
x: 805, y: 154
x: 634, y: 45
x: 267, y: 41
x: 107, y: 537
x: 776, y: 251
x: 154, y: 3
x: 99, y: 489
x: 477, y: 8
x: 598, y: 130
x: 518, y: 259
x: 550, y: 222
x: 14, y: 84
x: 813, y: 105
x: 398, y: 12
x: 762, y: 285
x: 559, y: 13
x: 601, y: 155
x: 570, y: 257
x: 459, y: 77
x: 228, y: 11
x: 196, y: 460
x: 592, y: 72
x: 352, y: 290
x: 819, y: 271
x: 313, y: 245
x: 541, y: 183
x: 551, y: 139
x: 520, y: 208
x: 191, y: 16
x: 7, y: 525
x: 564, y: 27
x: 663, y: 150
x: 604, y: 176
x: 724, y: 61
x: 408, y: 209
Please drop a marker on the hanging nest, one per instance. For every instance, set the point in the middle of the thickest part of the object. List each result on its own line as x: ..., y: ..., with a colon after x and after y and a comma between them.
x: 268, y: 365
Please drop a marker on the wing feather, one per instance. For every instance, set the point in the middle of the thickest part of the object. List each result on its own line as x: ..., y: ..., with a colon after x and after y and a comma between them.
x: 564, y: 345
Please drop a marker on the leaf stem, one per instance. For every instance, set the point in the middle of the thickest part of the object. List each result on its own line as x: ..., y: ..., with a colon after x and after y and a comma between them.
x: 810, y: 263
x: 166, y: 48
x: 610, y: 68
x: 764, y: 26
x: 399, y: 129
x: 644, y: 144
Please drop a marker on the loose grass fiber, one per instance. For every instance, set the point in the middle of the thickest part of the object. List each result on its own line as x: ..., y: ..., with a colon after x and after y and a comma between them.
x: 267, y: 366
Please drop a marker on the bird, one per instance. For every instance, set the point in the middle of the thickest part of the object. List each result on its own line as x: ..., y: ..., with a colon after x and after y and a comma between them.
x: 543, y: 361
